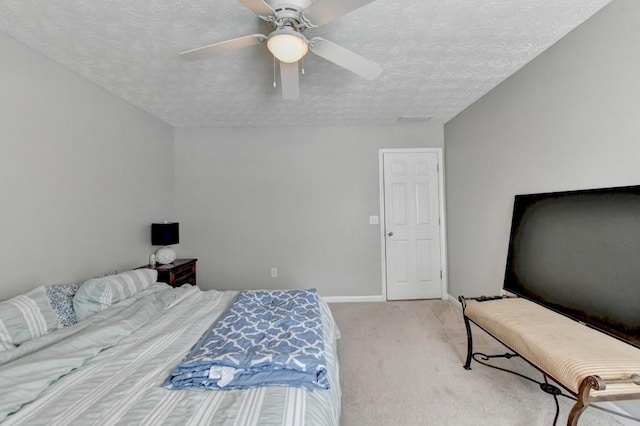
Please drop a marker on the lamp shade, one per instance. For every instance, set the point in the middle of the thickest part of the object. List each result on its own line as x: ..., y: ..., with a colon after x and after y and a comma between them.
x: 287, y: 45
x: 164, y: 234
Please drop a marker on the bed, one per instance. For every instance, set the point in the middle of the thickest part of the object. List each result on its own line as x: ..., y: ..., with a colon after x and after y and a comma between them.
x: 109, y: 367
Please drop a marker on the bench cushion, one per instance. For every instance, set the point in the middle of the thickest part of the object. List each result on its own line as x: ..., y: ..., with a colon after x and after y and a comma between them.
x: 565, y: 349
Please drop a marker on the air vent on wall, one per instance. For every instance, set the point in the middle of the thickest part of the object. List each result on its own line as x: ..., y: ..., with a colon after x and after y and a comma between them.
x: 413, y: 119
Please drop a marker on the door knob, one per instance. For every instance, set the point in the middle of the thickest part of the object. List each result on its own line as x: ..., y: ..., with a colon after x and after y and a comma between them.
x: 390, y: 233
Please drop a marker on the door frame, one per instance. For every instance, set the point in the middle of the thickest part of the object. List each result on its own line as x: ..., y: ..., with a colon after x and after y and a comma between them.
x: 443, y: 223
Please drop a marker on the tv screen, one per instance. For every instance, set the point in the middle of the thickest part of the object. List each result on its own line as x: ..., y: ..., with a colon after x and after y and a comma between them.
x: 578, y: 253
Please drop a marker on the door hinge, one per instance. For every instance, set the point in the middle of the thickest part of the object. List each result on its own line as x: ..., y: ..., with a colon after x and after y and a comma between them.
x: 440, y: 274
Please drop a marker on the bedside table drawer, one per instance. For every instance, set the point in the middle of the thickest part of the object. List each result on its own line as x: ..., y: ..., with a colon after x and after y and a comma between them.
x: 184, y: 273
x: 181, y: 271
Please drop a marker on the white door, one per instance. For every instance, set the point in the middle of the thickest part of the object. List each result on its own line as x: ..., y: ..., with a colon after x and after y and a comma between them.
x: 411, y: 225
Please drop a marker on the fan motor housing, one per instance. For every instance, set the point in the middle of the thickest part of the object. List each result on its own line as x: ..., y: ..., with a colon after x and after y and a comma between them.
x: 298, y: 5
x: 287, y: 15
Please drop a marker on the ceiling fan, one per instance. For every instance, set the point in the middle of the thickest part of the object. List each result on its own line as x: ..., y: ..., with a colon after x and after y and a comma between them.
x: 289, y: 19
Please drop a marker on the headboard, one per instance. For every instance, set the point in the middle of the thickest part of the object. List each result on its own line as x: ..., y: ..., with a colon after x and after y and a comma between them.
x: 578, y: 253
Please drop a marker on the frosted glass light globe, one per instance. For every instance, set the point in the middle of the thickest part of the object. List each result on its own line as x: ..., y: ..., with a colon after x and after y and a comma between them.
x: 165, y: 255
x: 287, y: 45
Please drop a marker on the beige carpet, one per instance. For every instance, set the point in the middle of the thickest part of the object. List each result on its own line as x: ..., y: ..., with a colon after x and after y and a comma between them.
x: 401, y: 364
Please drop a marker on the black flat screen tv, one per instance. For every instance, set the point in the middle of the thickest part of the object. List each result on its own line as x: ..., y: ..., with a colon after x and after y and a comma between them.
x: 578, y: 253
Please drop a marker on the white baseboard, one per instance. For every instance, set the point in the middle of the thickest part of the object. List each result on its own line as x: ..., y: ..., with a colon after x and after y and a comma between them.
x: 368, y: 299
x: 454, y: 301
x: 352, y: 299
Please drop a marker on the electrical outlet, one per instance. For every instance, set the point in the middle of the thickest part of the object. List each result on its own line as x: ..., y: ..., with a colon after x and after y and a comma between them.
x: 274, y: 272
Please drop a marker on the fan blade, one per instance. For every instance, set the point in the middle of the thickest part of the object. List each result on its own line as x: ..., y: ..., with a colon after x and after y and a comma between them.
x: 289, y: 80
x: 223, y: 46
x: 259, y: 7
x: 345, y: 58
x: 325, y: 11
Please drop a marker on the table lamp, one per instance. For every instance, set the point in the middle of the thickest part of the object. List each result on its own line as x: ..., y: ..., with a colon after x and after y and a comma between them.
x: 164, y: 234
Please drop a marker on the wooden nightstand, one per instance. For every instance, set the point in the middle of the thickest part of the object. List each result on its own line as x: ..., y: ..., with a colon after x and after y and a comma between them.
x: 181, y: 271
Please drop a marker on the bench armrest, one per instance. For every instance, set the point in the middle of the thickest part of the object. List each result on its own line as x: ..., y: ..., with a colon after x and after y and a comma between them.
x: 463, y: 300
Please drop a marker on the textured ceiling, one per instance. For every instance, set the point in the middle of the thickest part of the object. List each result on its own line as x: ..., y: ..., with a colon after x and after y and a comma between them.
x: 438, y: 56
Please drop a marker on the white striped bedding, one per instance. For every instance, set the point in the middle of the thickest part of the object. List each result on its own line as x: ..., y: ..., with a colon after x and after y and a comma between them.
x: 121, y: 385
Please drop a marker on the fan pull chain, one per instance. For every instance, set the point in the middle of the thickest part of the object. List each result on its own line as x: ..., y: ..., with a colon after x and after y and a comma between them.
x: 274, y: 73
x: 302, y: 63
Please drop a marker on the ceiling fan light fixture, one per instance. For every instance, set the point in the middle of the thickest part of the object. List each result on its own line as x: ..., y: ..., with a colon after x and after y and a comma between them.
x: 287, y: 45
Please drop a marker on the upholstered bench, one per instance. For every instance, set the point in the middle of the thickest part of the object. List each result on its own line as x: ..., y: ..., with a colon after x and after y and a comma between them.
x: 593, y: 366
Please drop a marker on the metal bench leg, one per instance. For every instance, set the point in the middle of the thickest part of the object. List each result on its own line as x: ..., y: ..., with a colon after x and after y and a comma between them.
x: 576, y: 411
x: 467, y: 364
x: 591, y: 382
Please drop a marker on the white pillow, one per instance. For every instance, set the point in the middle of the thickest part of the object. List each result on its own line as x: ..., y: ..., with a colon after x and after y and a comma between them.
x: 25, y: 317
x: 97, y: 294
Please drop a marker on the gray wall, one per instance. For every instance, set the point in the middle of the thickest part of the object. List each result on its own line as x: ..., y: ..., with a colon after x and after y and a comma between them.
x: 82, y: 174
x: 567, y: 120
x: 298, y: 199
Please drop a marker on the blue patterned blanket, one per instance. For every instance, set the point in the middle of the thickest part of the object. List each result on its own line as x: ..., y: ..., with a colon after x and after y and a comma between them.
x: 264, y: 338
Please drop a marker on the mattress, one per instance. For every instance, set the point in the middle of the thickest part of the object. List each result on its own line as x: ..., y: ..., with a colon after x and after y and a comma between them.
x: 109, y: 368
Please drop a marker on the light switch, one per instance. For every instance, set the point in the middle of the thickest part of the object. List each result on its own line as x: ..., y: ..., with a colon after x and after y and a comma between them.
x: 374, y: 220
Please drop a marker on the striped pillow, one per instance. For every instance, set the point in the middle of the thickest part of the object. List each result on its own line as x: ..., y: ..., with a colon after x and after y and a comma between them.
x: 25, y: 317
x: 97, y: 294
